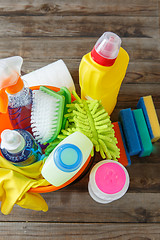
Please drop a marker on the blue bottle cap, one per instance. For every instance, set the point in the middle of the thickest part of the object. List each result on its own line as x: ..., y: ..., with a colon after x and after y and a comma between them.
x: 68, y: 157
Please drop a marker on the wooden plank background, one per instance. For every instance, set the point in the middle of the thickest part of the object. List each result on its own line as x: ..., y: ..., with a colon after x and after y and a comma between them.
x: 45, y: 31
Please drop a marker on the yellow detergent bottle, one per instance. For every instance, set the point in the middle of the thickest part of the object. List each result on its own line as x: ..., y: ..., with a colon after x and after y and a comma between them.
x: 102, y: 71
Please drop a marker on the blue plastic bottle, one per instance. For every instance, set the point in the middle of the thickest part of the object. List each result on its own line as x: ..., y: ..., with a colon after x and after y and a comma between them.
x: 19, y: 147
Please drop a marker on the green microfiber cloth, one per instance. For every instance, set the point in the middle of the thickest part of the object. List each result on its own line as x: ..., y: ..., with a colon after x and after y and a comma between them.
x: 90, y: 118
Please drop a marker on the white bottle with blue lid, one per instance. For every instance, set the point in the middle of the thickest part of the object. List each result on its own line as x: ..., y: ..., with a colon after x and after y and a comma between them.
x: 67, y: 159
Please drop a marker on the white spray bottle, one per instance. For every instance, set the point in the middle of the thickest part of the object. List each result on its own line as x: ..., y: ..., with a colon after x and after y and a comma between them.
x: 13, y: 94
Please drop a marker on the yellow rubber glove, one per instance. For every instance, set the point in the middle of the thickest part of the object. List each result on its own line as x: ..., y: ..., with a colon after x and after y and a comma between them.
x: 15, y: 183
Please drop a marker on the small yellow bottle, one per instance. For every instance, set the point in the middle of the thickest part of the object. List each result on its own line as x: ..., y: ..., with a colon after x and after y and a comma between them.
x: 102, y: 71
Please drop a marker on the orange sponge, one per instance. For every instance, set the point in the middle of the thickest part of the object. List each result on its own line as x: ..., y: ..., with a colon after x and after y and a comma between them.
x: 124, y: 155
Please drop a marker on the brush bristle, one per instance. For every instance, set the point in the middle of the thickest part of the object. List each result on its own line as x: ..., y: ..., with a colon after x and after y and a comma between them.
x: 44, y: 116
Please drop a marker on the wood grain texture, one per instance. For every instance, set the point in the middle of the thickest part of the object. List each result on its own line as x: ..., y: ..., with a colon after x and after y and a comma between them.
x: 141, y: 49
x: 78, y: 26
x: 74, y: 204
x: 80, y: 7
x: 59, y: 231
x: 43, y: 31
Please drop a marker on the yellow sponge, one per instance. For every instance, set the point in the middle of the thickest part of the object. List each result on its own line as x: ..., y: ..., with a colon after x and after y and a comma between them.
x: 147, y: 105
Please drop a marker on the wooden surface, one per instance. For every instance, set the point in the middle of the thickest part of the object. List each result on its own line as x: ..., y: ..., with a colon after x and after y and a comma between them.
x: 45, y: 31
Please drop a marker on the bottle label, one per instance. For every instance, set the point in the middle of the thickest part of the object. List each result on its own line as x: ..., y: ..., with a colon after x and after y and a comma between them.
x: 30, y: 154
x: 19, y: 110
x: 21, y: 156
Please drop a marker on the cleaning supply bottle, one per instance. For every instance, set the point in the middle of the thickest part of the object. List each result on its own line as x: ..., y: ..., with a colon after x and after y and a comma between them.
x: 13, y: 94
x: 102, y: 71
x: 67, y: 159
x: 108, y: 181
x: 19, y: 147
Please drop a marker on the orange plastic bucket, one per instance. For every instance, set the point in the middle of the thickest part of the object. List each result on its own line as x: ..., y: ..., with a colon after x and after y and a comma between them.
x: 5, y: 124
